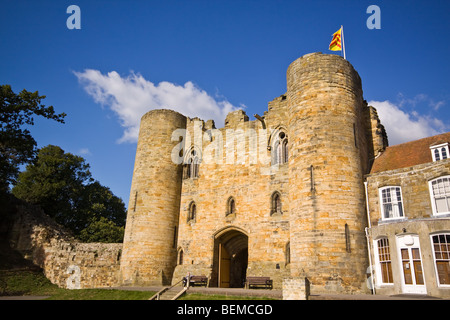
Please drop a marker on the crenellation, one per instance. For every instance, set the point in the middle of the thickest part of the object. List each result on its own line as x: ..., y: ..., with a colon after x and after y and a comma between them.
x: 293, y: 195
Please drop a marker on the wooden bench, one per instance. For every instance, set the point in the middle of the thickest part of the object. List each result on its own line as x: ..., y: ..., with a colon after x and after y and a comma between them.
x: 198, y: 280
x: 259, y: 281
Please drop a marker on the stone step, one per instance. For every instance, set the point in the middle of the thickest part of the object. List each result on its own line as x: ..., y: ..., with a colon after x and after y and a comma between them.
x: 171, y: 293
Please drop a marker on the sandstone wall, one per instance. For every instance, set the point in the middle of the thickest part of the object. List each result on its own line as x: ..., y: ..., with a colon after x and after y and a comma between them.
x: 328, y: 158
x: 149, y: 250
x: 65, y: 261
x: 241, y: 170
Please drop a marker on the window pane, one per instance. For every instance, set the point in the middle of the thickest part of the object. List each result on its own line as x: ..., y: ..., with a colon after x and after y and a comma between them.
x: 405, y: 255
x: 385, y: 263
x: 418, y: 272
x: 436, y: 154
x: 443, y: 269
x: 441, y: 205
x: 444, y: 153
x: 442, y: 257
x: 415, y: 254
x: 407, y: 272
x: 391, y: 198
x: 388, y: 210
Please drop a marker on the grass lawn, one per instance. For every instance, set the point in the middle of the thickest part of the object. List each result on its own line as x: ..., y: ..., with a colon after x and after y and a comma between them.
x: 28, y: 282
x: 18, y: 283
x: 197, y: 296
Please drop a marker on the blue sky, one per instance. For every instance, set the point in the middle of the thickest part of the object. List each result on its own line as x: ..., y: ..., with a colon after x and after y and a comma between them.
x: 206, y: 57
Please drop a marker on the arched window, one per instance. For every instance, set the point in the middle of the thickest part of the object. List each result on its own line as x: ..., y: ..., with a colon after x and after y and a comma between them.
x: 180, y: 257
x: 280, y: 153
x: 192, y: 212
x: 444, y: 153
x: 275, y: 203
x: 439, y: 151
x: 441, y: 249
x: 437, y: 155
x: 383, y: 261
x: 192, y: 163
x: 440, y: 195
x: 231, y: 206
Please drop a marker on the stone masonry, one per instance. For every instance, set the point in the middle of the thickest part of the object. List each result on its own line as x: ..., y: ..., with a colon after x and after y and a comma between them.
x: 64, y: 261
x: 281, y: 196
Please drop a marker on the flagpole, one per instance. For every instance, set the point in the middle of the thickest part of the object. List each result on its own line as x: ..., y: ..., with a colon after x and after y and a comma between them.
x: 343, y: 43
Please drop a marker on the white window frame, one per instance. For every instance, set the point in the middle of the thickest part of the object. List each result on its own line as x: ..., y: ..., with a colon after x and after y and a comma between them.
x: 442, y: 151
x: 396, y: 202
x: 446, y: 195
x: 378, y: 272
x: 434, y: 258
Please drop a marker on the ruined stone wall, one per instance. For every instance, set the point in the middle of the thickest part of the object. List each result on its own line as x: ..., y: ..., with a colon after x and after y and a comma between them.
x: 65, y: 261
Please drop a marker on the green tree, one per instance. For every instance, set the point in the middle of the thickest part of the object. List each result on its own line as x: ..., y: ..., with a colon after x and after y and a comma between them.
x: 55, y: 182
x: 17, y: 146
x: 62, y: 185
x: 102, y: 230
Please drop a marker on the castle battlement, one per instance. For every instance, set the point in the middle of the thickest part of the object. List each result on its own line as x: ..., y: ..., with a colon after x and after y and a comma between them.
x: 279, y: 196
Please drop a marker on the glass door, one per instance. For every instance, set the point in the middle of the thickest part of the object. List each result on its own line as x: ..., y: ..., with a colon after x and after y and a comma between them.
x: 411, y: 265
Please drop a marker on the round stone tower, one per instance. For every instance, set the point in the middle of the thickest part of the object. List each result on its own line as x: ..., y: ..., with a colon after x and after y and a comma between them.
x: 326, y: 190
x: 149, y: 247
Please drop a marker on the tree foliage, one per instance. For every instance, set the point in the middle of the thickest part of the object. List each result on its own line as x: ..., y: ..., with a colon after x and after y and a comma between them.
x: 17, y: 146
x: 102, y: 230
x: 62, y: 185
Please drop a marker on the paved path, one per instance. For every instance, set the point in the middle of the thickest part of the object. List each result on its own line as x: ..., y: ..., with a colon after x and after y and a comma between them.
x: 23, y: 297
x: 276, y: 294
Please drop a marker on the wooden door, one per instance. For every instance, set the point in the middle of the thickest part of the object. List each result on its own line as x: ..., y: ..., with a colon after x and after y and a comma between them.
x: 224, y: 267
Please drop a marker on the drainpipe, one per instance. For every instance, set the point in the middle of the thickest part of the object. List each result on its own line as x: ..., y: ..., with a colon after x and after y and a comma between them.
x: 367, y: 204
x: 366, y: 230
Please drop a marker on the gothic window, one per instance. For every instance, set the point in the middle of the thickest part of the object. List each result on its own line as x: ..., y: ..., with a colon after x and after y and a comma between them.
x: 190, y: 169
x: 192, y: 212
x: 275, y: 203
x: 280, y: 153
x: 231, y: 206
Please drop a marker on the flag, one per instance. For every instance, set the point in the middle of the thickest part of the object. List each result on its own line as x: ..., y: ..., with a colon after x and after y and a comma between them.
x: 335, y: 44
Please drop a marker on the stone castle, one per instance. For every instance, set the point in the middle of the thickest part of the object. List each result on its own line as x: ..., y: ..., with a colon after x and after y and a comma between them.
x: 281, y: 196
x: 308, y: 194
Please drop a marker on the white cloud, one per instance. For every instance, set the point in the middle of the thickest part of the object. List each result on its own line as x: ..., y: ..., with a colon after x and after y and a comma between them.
x: 402, y: 126
x: 85, y: 152
x: 130, y: 97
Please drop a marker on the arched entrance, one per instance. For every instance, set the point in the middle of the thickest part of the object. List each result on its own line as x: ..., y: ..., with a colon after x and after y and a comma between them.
x: 230, y: 258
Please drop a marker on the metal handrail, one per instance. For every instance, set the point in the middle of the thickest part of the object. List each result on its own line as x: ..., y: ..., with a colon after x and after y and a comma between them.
x: 157, y: 295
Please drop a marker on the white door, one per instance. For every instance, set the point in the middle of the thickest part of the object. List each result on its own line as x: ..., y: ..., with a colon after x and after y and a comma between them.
x: 411, y: 264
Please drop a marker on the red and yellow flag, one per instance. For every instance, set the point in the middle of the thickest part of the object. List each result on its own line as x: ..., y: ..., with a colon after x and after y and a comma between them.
x: 335, y: 44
